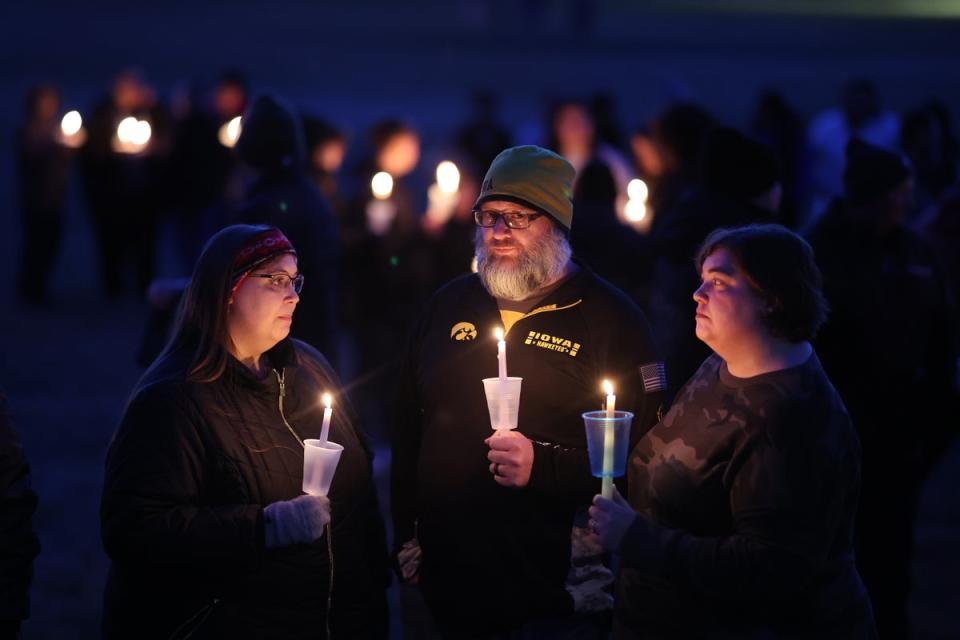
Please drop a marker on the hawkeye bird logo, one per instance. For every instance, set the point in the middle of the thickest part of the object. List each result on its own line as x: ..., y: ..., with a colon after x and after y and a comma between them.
x: 463, y: 331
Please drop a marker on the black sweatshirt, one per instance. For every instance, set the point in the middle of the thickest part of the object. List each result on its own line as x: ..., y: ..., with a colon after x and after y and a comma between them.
x: 747, y: 490
x: 486, y: 547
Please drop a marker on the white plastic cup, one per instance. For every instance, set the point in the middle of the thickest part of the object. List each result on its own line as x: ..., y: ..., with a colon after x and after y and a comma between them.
x: 503, y: 401
x: 320, y: 460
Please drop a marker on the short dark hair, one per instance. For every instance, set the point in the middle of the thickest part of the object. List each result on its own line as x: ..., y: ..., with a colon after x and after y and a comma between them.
x: 780, y: 267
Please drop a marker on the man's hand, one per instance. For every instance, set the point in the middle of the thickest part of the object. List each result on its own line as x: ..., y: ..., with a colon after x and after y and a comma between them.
x: 610, y: 520
x: 511, y: 458
x: 409, y: 560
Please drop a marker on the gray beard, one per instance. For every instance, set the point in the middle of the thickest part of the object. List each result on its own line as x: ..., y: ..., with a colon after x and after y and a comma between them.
x: 544, y: 263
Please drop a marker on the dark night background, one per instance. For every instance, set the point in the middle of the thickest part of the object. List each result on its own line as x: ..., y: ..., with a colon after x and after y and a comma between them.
x: 68, y: 368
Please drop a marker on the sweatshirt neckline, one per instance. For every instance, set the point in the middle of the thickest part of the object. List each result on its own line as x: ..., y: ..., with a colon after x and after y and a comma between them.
x: 730, y: 380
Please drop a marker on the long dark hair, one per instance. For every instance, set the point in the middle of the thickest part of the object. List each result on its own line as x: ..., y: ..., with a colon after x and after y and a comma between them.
x: 197, y: 350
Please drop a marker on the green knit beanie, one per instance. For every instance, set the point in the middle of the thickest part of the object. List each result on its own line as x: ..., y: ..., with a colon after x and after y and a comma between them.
x: 536, y: 177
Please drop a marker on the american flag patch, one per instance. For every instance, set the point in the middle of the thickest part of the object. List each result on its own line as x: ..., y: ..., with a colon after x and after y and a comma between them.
x: 654, y: 376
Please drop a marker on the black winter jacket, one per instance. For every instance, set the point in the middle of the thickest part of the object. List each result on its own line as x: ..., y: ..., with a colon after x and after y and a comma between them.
x: 187, y: 477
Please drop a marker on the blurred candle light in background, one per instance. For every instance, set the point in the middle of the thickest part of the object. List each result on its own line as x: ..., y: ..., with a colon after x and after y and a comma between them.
x: 381, y: 210
x: 382, y: 185
x: 72, y: 123
x: 230, y: 132
x: 72, y: 133
x: 133, y: 135
x: 442, y: 196
x: 448, y: 177
x: 636, y: 211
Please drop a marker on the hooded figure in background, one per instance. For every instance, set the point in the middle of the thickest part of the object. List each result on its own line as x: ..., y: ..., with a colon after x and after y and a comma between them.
x: 284, y: 196
x: 271, y: 148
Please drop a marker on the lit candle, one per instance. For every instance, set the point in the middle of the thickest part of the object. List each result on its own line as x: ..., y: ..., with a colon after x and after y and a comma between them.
x: 606, y: 487
x: 501, y: 353
x: 327, y: 414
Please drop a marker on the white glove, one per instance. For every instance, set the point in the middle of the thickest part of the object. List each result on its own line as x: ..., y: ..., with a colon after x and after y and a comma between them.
x: 299, y: 520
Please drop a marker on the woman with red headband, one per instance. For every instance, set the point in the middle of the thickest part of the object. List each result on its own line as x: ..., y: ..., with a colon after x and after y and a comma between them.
x: 202, y: 515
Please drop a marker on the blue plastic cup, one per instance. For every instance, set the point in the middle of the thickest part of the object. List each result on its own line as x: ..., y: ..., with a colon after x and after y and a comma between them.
x: 610, y: 435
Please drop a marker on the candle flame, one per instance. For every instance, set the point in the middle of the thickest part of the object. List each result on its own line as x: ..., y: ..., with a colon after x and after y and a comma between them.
x: 607, y: 387
x: 327, y: 400
x: 498, y: 332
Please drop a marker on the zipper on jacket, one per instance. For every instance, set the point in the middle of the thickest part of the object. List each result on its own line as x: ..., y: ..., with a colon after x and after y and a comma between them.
x: 283, y: 392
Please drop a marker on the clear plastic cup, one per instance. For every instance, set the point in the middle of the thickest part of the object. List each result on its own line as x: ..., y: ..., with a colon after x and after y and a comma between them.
x: 320, y: 461
x: 608, y: 442
x: 503, y: 401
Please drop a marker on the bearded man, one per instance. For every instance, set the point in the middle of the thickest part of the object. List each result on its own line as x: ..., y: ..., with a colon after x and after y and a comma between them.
x: 483, y: 523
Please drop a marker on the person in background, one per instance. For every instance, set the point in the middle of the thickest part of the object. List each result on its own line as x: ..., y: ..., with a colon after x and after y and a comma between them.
x: 738, y: 182
x: 386, y: 266
x: 860, y: 115
x: 326, y: 147
x: 124, y: 182
x: 42, y: 166
x: 893, y: 327
x: 202, y: 513
x: 202, y: 162
x: 483, y: 136
x: 743, y: 498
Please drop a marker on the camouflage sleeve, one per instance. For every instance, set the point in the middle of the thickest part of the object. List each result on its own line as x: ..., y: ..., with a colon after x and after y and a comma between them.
x: 785, y: 512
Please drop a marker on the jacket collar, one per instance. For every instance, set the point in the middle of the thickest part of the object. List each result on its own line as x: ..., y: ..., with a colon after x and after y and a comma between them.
x: 282, y: 358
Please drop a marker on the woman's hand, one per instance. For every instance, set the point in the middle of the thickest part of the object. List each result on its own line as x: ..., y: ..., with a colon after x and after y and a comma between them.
x: 409, y: 560
x: 295, y: 521
x: 610, y: 520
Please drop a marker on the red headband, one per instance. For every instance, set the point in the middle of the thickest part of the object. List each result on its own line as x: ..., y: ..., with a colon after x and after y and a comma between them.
x: 260, y: 249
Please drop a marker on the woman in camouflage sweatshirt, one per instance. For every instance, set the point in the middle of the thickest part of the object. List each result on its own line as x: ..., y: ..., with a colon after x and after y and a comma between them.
x: 742, y: 499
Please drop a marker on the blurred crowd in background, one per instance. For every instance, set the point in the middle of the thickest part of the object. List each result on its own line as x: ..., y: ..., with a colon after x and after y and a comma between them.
x: 875, y: 191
